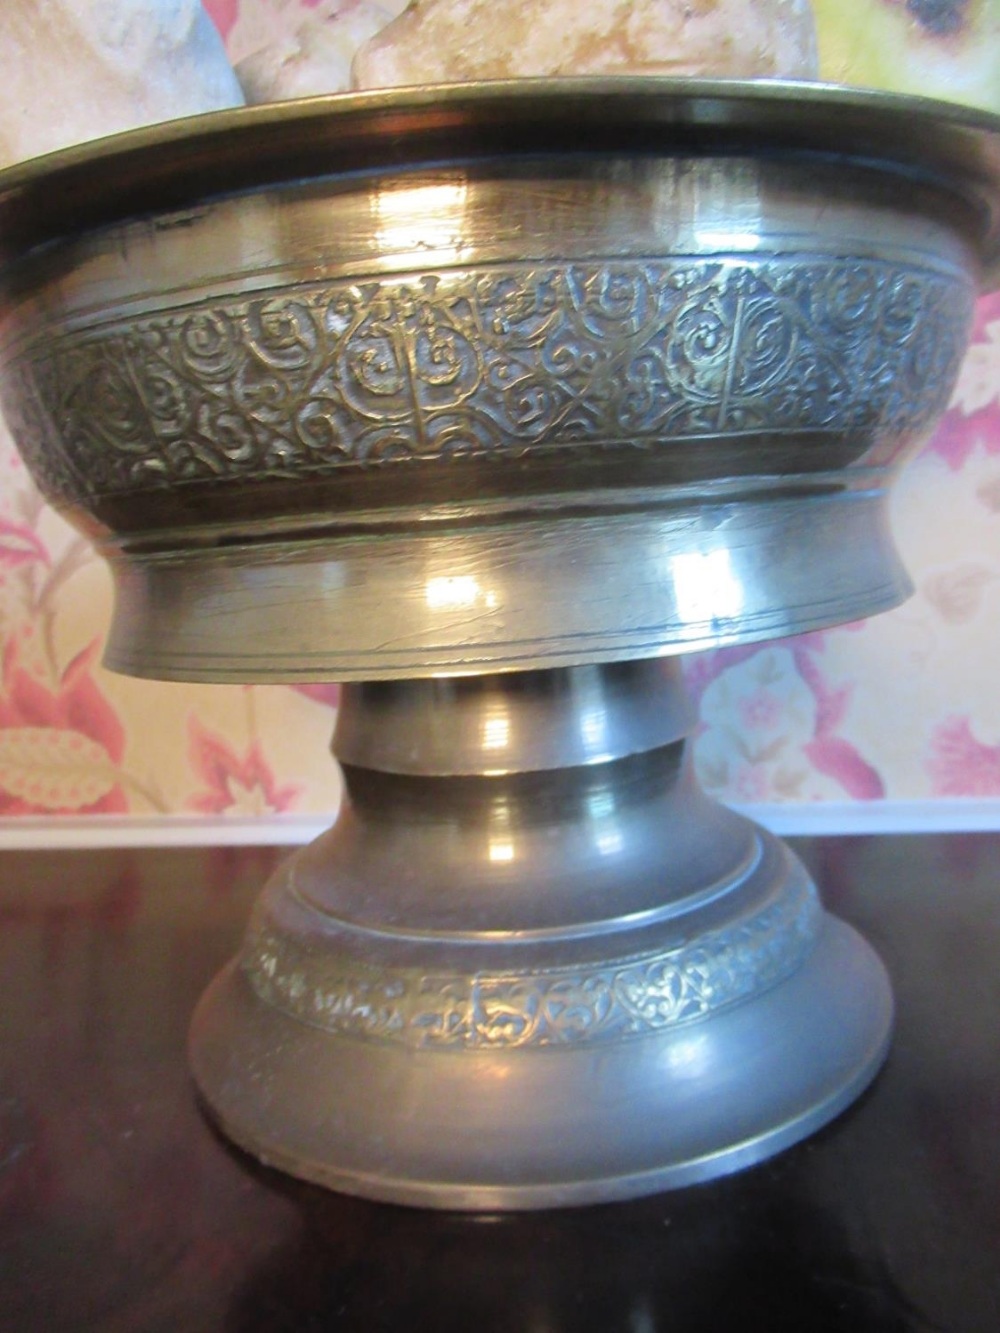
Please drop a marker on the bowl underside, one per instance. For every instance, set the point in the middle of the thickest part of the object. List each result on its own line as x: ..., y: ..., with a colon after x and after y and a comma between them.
x: 481, y: 378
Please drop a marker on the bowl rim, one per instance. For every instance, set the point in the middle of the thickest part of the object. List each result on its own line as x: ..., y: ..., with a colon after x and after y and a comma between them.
x: 179, y: 164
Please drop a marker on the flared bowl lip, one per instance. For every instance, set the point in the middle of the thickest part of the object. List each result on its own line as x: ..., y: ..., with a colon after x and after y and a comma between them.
x: 184, y: 163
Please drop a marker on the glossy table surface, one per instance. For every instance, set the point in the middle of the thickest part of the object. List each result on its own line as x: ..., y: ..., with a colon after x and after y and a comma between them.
x: 121, y: 1210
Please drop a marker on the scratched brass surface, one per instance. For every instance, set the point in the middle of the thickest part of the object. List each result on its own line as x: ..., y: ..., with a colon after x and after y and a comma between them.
x: 492, y: 377
x: 450, y: 382
x: 532, y: 964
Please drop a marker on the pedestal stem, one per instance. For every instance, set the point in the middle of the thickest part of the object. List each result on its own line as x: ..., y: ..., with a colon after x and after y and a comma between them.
x: 532, y: 963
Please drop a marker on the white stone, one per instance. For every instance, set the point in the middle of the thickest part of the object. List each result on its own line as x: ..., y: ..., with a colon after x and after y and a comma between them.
x: 457, y: 40
x: 73, y: 70
x: 317, y: 56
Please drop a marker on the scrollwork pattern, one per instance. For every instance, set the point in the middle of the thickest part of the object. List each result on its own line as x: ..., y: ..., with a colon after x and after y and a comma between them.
x: 627, y: 998
x: 502, y: 361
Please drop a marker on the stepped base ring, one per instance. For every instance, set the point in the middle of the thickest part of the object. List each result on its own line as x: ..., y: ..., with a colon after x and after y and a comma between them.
x: 538, y: 973
x: 787, y: 1062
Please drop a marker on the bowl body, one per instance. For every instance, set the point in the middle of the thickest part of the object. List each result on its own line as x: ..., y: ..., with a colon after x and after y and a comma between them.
x: 495, y: 378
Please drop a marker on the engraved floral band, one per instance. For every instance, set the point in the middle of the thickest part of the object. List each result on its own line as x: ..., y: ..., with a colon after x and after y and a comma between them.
x: 505, y: 359
x: 629, y: 997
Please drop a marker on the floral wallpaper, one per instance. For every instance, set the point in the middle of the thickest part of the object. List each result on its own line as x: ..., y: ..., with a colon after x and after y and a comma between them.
x: 905, y: 706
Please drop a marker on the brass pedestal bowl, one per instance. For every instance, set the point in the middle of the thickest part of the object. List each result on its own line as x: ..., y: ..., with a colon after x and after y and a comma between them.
x: 489, y: 401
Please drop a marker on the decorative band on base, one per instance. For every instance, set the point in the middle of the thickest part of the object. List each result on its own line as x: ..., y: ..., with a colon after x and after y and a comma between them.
x: 620, y: 997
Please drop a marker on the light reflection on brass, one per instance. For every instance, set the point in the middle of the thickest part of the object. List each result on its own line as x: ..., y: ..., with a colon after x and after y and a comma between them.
x: 501, y: 836
x: 489, y: 401
x: 422, y: 220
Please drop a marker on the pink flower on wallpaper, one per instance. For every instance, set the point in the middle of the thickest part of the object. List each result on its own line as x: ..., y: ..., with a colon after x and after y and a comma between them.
x: 761, y: 710
x: 829, y: 753
x: 973, y: 417
x: 749, y: 783
x: 961, y: 765
x: 701, y: 669
x: 234, y: 784
x: 60, y: 748
x: 20, y: 545
x: 322, y: 694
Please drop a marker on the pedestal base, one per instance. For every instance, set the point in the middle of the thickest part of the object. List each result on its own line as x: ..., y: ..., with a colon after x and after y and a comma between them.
x: 576, y: 1127
x: 531, y: 964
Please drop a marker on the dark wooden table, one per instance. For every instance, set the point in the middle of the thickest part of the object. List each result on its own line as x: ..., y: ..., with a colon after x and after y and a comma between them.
x: 121, y: 1210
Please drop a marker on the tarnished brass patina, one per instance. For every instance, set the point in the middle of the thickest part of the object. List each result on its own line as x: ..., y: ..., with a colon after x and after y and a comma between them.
x: 491, y: 377
x: 465, y: 395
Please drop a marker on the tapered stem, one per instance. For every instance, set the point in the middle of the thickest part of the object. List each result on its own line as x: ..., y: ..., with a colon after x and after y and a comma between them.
x: 532, y: 963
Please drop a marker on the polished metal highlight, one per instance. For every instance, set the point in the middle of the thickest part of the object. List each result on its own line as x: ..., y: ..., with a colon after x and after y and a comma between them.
x: 490, y: 400
x: 619, y: 997
x: 503, y: 362
x: 403, y: 410
x: 524, y: 986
